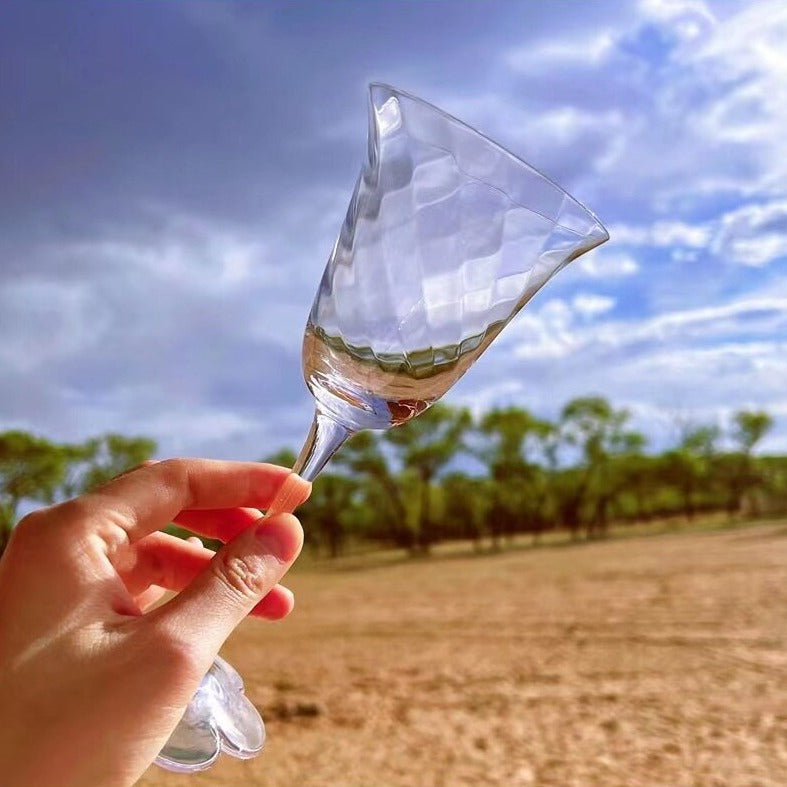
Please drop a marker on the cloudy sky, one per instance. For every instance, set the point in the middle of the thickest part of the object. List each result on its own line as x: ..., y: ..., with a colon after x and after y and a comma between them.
x: 172, y: 177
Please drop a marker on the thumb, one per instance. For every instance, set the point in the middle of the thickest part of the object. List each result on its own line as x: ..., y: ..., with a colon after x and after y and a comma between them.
x: 236, y: 579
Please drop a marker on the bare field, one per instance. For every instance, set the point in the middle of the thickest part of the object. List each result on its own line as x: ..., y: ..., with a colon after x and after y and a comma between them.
x: 646, y: 661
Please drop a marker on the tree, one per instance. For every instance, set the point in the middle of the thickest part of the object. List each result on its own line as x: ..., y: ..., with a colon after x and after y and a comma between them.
x: 518, y: 486
x: 638, y: 478
x: 110, y: 455
x: 732, y: 474
x: 596, y: 429
x: 426, y: 445
x: 737, y: 471
x: 773, y: 472
x: 510, y: 430
x: 749, y: 428
x: 687, y: 467
x: 463, y: 503
x: 31, y: 468
x: 569, y: 487
x: 326, y: 512
x: 284, y: 457
x: 622, y: 471
x: 362, y: 454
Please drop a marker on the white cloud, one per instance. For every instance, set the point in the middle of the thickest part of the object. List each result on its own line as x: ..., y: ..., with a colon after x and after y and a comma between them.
x: 676, y: 233
x: 606, y: 263
x: 660, y: 234
x: 738, y: 76
x: 753, y: 234
x: 587, y: 50
x: 707, y: 361
x: 193, y: 252
x: 44, y: 321
x: 480, y: 401
x: 554, y: 332
x: 701, y: 117
x: 749, y: 317
x: 188, y: 330
x: 590, y: 305
x: 687, y: 20
x: 547, y: 332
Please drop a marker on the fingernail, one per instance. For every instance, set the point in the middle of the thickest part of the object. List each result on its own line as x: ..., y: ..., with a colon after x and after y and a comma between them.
x: 291, y: 494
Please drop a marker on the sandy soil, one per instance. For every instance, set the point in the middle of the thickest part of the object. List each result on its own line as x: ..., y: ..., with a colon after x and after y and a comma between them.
x: 649, y: 661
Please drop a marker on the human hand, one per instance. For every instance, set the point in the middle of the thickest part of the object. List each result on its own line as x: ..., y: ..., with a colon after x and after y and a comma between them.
x: 92, y: 684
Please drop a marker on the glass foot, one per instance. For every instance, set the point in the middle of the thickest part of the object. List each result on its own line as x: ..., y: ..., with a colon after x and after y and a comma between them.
x: 218, y: 718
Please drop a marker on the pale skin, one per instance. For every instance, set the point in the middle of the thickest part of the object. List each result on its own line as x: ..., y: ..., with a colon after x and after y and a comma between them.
x: 92, y: 679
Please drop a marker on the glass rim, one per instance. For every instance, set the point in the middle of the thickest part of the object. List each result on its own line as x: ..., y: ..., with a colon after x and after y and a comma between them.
x: 379, y: 85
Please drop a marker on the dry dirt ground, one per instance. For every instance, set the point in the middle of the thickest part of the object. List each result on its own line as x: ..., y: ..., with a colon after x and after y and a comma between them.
x: 650, y: 661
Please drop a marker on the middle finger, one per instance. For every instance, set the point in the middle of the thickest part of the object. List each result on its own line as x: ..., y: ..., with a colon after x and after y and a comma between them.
x: 220, y: 523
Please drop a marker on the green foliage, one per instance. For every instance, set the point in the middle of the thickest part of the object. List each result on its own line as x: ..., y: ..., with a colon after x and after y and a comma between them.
x: 36, y: 471
x: 749, y: 428
x: 380, y: 491
x: 409, y: 487
x: 111, y: 455
x: 463, y: 501
x: 284, y: 457
x: 426, y: 445
x: 31, y: 469
x: 517, y: 487
x: 597, y: 429
x: 405, y: 487
x: 328, y: 513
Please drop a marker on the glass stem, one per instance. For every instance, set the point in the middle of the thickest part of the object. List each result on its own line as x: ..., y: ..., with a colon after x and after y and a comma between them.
x: 323, y: 441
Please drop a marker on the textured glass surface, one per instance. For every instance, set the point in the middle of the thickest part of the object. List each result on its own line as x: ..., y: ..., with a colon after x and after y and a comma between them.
x: 446, y: 237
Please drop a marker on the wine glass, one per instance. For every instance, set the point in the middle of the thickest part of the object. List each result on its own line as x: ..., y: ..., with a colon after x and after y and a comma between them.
x: 446, y: 238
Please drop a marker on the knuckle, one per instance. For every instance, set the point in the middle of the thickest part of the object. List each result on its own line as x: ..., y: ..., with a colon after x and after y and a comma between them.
x: 172, y: 470
x: 31, y: 523
x: 26, y: 535
x: 44, y: 522
x: 246, y: 577
x: 179, y: 656
x: 77, y: 509
x: 176, y: 474
x: 81, y: 515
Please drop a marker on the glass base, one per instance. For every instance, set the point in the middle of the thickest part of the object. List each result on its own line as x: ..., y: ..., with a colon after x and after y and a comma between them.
x: 219, y: 718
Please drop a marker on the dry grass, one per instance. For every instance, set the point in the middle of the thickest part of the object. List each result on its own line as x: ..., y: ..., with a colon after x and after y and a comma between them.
x: 649, y: 661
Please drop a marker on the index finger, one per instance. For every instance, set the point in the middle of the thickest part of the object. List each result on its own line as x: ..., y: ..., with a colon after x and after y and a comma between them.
x: 150, y: 497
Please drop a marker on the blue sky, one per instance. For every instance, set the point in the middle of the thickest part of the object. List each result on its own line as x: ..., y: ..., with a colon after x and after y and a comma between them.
x: 173, y: 175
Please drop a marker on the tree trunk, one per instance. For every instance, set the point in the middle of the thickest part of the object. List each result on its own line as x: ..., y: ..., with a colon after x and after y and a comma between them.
x: 424, y: 516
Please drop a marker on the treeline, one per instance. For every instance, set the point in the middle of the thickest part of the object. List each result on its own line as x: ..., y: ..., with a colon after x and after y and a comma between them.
x: 446, y: 475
